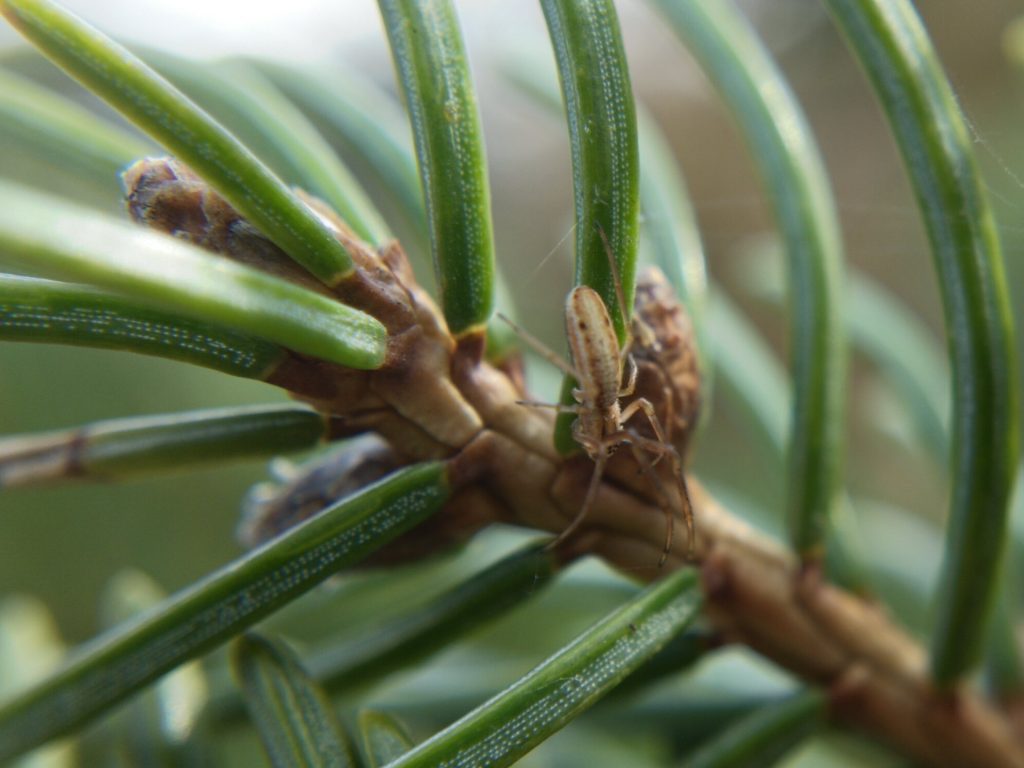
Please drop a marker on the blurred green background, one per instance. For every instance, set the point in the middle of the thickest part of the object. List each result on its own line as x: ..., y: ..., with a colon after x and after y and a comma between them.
x: 63, y: 544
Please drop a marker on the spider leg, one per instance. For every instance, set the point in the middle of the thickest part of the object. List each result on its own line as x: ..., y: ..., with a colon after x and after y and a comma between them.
x: 655, y: 446
x: 588, y: 500
x: 541, y: 348
x: 670, y: 402
x: 557, y: 406
x: 645, y: 405
x: 614, y: 268
x: 647, y: 468
x: 632, y: 372
x: 643, y: 334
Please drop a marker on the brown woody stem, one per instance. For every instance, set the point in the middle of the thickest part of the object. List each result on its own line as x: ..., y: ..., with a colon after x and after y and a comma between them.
x: 436, y: 398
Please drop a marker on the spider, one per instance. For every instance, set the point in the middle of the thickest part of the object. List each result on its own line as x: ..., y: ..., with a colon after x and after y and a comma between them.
x: 599, y: 366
